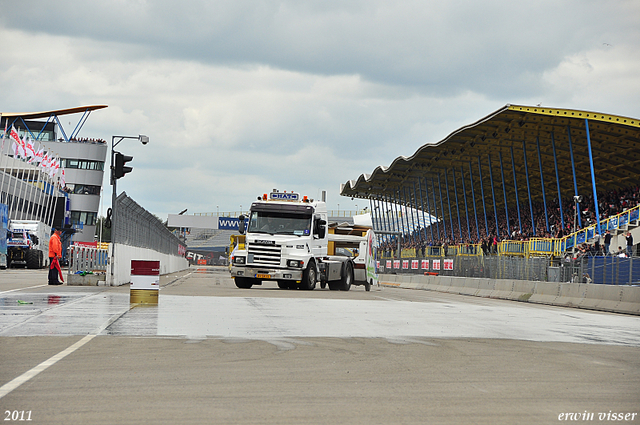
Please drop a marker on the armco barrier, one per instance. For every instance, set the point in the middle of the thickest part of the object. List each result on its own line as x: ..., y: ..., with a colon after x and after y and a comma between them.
x: 618, y: 299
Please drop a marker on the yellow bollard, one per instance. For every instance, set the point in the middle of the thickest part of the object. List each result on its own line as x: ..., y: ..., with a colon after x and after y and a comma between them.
x: 145, y: 282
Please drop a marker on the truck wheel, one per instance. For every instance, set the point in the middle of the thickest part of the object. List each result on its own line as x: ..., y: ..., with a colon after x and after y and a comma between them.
x: 32, y: 259
x: 347, y: 277
x: 334, y: 285
x: 309, y: 277
x: 285, y: 284
x: 243, y: 282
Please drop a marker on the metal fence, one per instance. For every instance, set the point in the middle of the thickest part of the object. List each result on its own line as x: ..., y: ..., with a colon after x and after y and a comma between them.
x: 84, y: 258
x: 492, y: 267
x: 608, y: 270
x: 137, y: 227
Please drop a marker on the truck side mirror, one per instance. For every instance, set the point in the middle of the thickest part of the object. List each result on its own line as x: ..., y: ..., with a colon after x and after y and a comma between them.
x: 241, y: 227
x: 322, y: 230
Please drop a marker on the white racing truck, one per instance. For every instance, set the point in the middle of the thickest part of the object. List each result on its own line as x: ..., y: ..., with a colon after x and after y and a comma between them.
x: 287, y: 241
x: 28, y: 244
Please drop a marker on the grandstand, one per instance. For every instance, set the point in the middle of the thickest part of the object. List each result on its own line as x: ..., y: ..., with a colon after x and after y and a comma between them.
x: 525, y: 181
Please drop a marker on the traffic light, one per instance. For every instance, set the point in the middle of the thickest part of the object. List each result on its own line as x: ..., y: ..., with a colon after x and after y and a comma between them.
x: 119, y: 170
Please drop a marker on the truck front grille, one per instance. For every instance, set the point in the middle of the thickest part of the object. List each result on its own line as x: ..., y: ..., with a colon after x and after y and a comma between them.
x: 264, y: 255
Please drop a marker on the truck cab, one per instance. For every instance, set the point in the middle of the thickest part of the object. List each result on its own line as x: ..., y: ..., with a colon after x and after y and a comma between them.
x: 285, y: 234
x: 287, y: 241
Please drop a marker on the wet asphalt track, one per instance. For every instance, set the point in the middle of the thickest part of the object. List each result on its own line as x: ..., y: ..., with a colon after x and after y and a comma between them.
x: 212, y: 353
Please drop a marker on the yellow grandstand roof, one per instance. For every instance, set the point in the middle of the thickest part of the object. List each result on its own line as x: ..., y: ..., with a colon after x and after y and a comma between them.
x: 615, y: 143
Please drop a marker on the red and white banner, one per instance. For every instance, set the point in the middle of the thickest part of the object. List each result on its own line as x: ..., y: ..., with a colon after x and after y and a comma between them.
x: 425, y: 265
x: 435, y: 265
x: 448, y: 264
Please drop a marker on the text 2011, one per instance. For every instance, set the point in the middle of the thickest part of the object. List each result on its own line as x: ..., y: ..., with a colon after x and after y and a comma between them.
x: 17, y: 415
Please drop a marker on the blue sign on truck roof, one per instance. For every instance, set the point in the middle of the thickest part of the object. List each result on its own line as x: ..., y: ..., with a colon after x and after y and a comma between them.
x: 284, y: 196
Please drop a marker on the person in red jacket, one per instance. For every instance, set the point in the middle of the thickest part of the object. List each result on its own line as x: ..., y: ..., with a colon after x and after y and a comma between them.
x: 55, y: 252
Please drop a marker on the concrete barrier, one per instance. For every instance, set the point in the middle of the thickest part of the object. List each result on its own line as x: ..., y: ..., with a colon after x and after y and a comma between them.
x: 86, y: 280
x: 486, y: 287
x: 545, y: 292
x: 613, y: 298
x: 502, y: 288
x: 630, y: 301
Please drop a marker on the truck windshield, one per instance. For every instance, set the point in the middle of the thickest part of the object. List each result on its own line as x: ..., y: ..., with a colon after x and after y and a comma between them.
x: 279, y: 223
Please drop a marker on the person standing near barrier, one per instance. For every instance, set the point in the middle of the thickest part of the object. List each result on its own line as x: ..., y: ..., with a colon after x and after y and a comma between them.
x: 55, y: 252
x: 596, y: 244
x: 629, y: 244
x: 607, y: 242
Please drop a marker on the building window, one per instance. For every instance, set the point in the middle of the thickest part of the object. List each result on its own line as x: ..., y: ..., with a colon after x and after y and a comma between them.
x: 84, y: 189
x: 86, y: 218
x: 83, y: 164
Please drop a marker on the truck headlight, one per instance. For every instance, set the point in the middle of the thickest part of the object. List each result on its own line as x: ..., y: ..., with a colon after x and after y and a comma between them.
x: 239, y: 260
x: 295, y: 263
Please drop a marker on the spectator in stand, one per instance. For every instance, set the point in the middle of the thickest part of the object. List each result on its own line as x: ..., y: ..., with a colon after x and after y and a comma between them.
x: 629, y: 244
x: 607, y: 242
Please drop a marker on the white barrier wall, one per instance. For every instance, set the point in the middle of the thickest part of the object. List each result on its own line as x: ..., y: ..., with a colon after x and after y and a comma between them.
x: 124, y: 255
x: 614, y: 298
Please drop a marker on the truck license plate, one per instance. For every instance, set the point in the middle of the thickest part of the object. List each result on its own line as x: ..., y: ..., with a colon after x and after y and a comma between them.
x: 263, y: 276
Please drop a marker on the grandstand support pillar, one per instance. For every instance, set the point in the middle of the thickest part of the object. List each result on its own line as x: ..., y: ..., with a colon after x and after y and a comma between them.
x: 405, y: 218
x: 446, y: 185
x: 426, y: 195
x: 544, y: 197
x: 390, y: 214
x: 415, y: 218
x: 398, y: 204
x: 435, y: 207
x: 484, y: 205
x: 493, y: 197
x: 593, y: 176
x: 573, y: 169
x: 394, y: 214
x: 424, y: 219
x: 466, y: 206
x: 385, y: 214
x: 374, y: 218
x: 384, y: 219
x: 406, y: 213
x: 382, y: 204
x: 473, y: 198
x: 415, y: 197
x: 504, y: 192
x: 526, y: 172
x: 444, y: 221
x: 555, y: 163
x: 515, y: 186
x: 455, y: 192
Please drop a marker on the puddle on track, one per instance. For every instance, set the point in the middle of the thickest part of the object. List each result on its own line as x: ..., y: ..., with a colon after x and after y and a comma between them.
x: 198, y: 317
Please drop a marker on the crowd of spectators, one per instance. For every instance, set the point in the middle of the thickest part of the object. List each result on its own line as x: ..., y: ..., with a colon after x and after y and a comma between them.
x: 84, y: 140
x: 448, y: 233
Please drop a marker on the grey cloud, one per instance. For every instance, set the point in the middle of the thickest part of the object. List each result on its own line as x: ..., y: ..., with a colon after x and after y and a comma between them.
x: 441, y: 48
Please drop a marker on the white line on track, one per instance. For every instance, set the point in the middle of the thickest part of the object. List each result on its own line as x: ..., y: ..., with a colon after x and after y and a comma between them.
x: 20, y: 289
x: 12, y: 385
x: 15, y: 383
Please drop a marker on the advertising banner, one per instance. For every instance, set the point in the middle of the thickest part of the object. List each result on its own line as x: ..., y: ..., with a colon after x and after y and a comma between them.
x: 228, y: 223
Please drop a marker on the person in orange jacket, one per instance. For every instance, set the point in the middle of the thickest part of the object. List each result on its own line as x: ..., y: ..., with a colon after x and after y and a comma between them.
x: 55, y: 252
x: 55, y: 245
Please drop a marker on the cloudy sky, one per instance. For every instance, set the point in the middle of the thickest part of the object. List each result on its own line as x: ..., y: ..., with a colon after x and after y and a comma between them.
x: 240, y: 97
